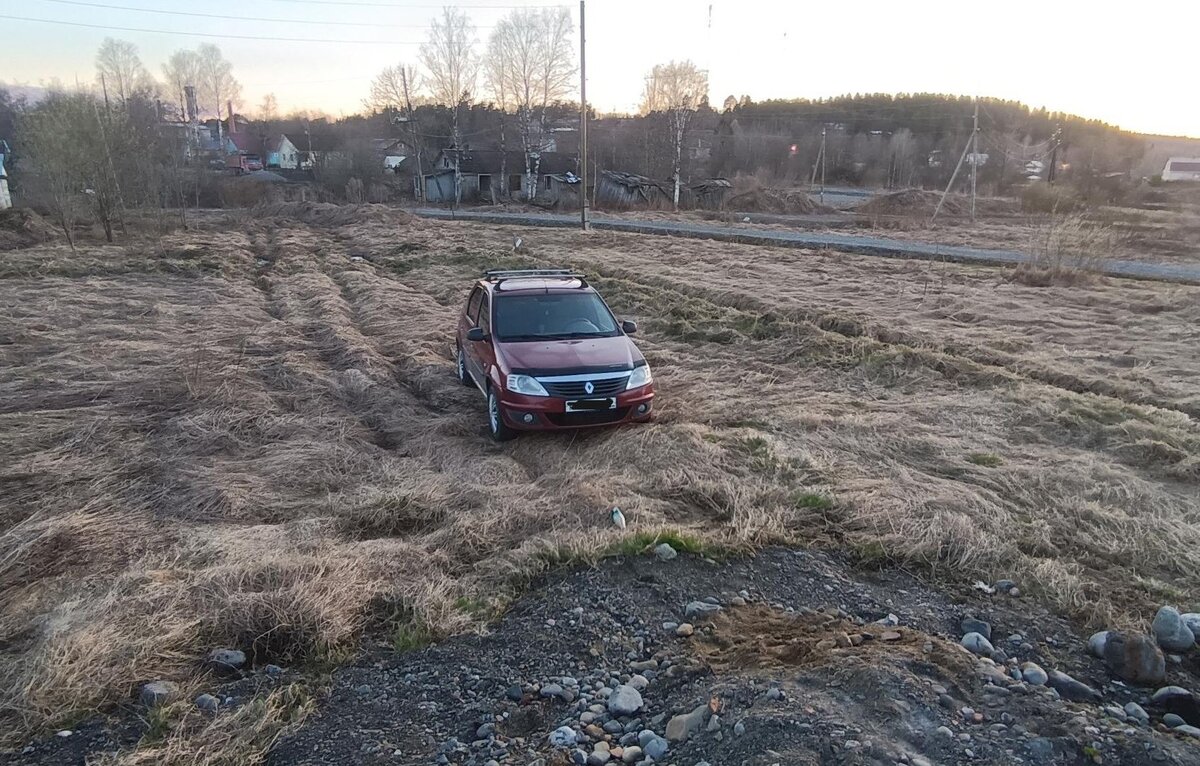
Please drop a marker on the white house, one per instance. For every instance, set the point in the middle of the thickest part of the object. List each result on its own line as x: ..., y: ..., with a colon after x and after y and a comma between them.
x: 282, y: 153
x: 1182, y: 169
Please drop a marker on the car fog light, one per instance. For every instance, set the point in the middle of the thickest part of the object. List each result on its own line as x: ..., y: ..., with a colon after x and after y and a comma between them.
x: 643, y: 408
x: 527, y: 418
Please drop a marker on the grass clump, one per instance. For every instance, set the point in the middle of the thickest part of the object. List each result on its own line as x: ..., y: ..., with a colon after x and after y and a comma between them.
x: 985, y: 459
x: 812, y: 501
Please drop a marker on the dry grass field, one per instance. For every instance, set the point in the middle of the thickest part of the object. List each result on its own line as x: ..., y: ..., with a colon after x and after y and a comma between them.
x: 249, y: 434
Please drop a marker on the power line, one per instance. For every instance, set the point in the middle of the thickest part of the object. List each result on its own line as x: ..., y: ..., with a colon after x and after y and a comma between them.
x: 404, y: 6
x: 237, y: 18
x: 224, y: 36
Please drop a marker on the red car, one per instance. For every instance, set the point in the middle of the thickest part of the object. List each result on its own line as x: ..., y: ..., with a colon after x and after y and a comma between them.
x: 547, y: 352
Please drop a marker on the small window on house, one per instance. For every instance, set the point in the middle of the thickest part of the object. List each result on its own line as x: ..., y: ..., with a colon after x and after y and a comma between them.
x: 514, y: 182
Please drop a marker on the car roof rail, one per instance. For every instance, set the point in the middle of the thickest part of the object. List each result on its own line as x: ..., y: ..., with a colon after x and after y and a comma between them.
x: 497, y: 276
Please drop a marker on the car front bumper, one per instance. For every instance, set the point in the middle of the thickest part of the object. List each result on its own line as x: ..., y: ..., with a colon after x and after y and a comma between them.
x: 548, y: 413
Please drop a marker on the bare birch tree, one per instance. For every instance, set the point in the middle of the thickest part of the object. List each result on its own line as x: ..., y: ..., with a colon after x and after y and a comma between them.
x: 530, y: 64
x: 120, y: 70
x: 268, y: 108
x: 452, y: 64
x: 678, y: 89
x: 180, y: 70
x: 396, y: 89
x: 217, y: 83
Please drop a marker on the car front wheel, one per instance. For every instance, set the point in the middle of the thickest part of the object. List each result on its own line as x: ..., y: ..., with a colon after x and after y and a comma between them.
x: 460, y: 361
x: 498, y: 429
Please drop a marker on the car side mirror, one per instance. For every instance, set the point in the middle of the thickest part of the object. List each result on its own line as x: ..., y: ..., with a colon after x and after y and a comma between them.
x: 628, y: 327
x: 476, y: 334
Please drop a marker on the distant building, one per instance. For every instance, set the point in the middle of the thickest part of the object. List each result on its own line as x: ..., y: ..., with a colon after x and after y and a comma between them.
x: 489, y: 175
x: 1182, y: 169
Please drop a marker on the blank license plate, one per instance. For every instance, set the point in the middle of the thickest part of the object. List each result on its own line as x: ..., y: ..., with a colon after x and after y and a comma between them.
x: 591, y: 405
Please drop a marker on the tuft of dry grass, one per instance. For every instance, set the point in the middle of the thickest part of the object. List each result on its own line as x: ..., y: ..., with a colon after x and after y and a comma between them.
x: 249, y: 435
x: 1067, y: 250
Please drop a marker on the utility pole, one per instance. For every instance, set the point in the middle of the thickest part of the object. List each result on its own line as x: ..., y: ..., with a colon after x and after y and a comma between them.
x: 823, y: 129
x: 1054, y: 156
x: 974, y: 156
x: 953, y: 178
x: 584, y: 211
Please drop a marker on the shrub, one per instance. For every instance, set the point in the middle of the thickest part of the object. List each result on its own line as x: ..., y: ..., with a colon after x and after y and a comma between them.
x: 1044, y: 198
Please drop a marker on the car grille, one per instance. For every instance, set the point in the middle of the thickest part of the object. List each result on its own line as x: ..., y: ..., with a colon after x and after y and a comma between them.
x: 575, y: 389
x: 599, y: 417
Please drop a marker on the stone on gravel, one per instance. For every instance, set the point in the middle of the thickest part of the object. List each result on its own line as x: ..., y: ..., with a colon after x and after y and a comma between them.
x: 1187, y: 729
x: 600, y: 755
x: 665, y: 552
x: 1097, y: 641
x: 685, y: 630
x: 1192, y: 621
x: 656, y: 748
x: 639, y: 682
x: 1136, y: 712
x: 1167, y: 693
x: 973, y: 625
x: 514, y: 693
x: 1135, y: 659
x: 273, y: 670
x: 624, y: 700
x: 563, y: 736
x: 1171, y: 632
x: 226, y: 659
x: 1032, y: 673
x: 978, y: 644
x: 631, y: 754
x: 739, y: 729
x: 1171, y: 721
x: 684, y: 725
x: 1071, y: 689
x: 208, y: 703
x: 156, y: 693
x: 551, y: 690
x: 700, y: 609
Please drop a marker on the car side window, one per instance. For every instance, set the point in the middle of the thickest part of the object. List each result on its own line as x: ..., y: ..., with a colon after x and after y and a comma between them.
x: 473, y: 304
x: 485, y: 317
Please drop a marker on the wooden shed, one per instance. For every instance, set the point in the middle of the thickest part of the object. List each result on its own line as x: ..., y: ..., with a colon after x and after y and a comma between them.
x: 617, y: 190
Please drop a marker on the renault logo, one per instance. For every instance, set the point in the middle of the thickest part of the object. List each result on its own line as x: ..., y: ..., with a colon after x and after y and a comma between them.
x: 588, y: 387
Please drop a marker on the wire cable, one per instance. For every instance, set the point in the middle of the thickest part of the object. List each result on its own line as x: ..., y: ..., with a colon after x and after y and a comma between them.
x: 276, y: 20
x: 223, y: 36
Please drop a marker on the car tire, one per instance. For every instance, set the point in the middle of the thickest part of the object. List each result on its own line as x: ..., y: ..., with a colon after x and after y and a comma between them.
x: 460, y: 362
x: 497, y: 428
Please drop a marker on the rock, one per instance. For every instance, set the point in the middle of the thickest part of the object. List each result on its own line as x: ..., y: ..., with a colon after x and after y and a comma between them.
x: 631, y: 754
x: 890, y: 635
x: 1070, y: 688
x: 1188, y: 729
x: 685, y: 630
x: 208, y: 703
x: 700, y: 609
x: 1171, y: 632
x: 625, y: 700
x: 226, y: 659
x: 656, y: 748
x: 774, y: 693
x: 156, y: 693
x: 684, y: 725
x: 613, y: 726
x: 1097, y: 641
x: 1171, y: 721
x: 714, y: 723
x: 551, y: 690
x: 64, y: 733
x: 485, y: 730
x: 1135, y: 659
x: 599, y: 756
x: 593, y: 731
x: 639, y: 682
x: 1192, y: 621
x: 1167, y: 694
x: 563, y: 736
x: 1004, y: 586
x: 739, y: 729
x: 514, y: 693
x: 1136, y: 712
x: 644, y: 736
x: 978, y: 644
x: 945, y: 731
x: 1041, y: 750
x: 973, y: 625
x: 1033, y: 674
x: 642, y: 667
x: 665, y: 552
x: 273, y: 670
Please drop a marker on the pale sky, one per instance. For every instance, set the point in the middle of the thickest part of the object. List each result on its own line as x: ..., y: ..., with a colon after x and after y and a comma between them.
x: 1126, y: 63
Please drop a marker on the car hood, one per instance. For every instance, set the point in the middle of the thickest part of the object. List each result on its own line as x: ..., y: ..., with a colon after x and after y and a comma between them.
x: 583, y: 355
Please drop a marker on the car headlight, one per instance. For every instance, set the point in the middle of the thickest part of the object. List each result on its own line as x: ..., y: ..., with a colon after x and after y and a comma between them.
x: 523, y: 384
x: 640, y: 377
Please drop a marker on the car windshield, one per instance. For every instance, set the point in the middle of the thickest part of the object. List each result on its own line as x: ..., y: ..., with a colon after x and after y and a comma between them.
x: 552, y: 316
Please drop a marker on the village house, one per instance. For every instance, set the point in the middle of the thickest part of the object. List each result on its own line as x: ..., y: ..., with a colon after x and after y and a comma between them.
x: 490, y: 175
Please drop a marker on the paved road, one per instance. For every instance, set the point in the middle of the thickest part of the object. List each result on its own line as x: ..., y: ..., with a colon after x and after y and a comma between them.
x: 893, y: 248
